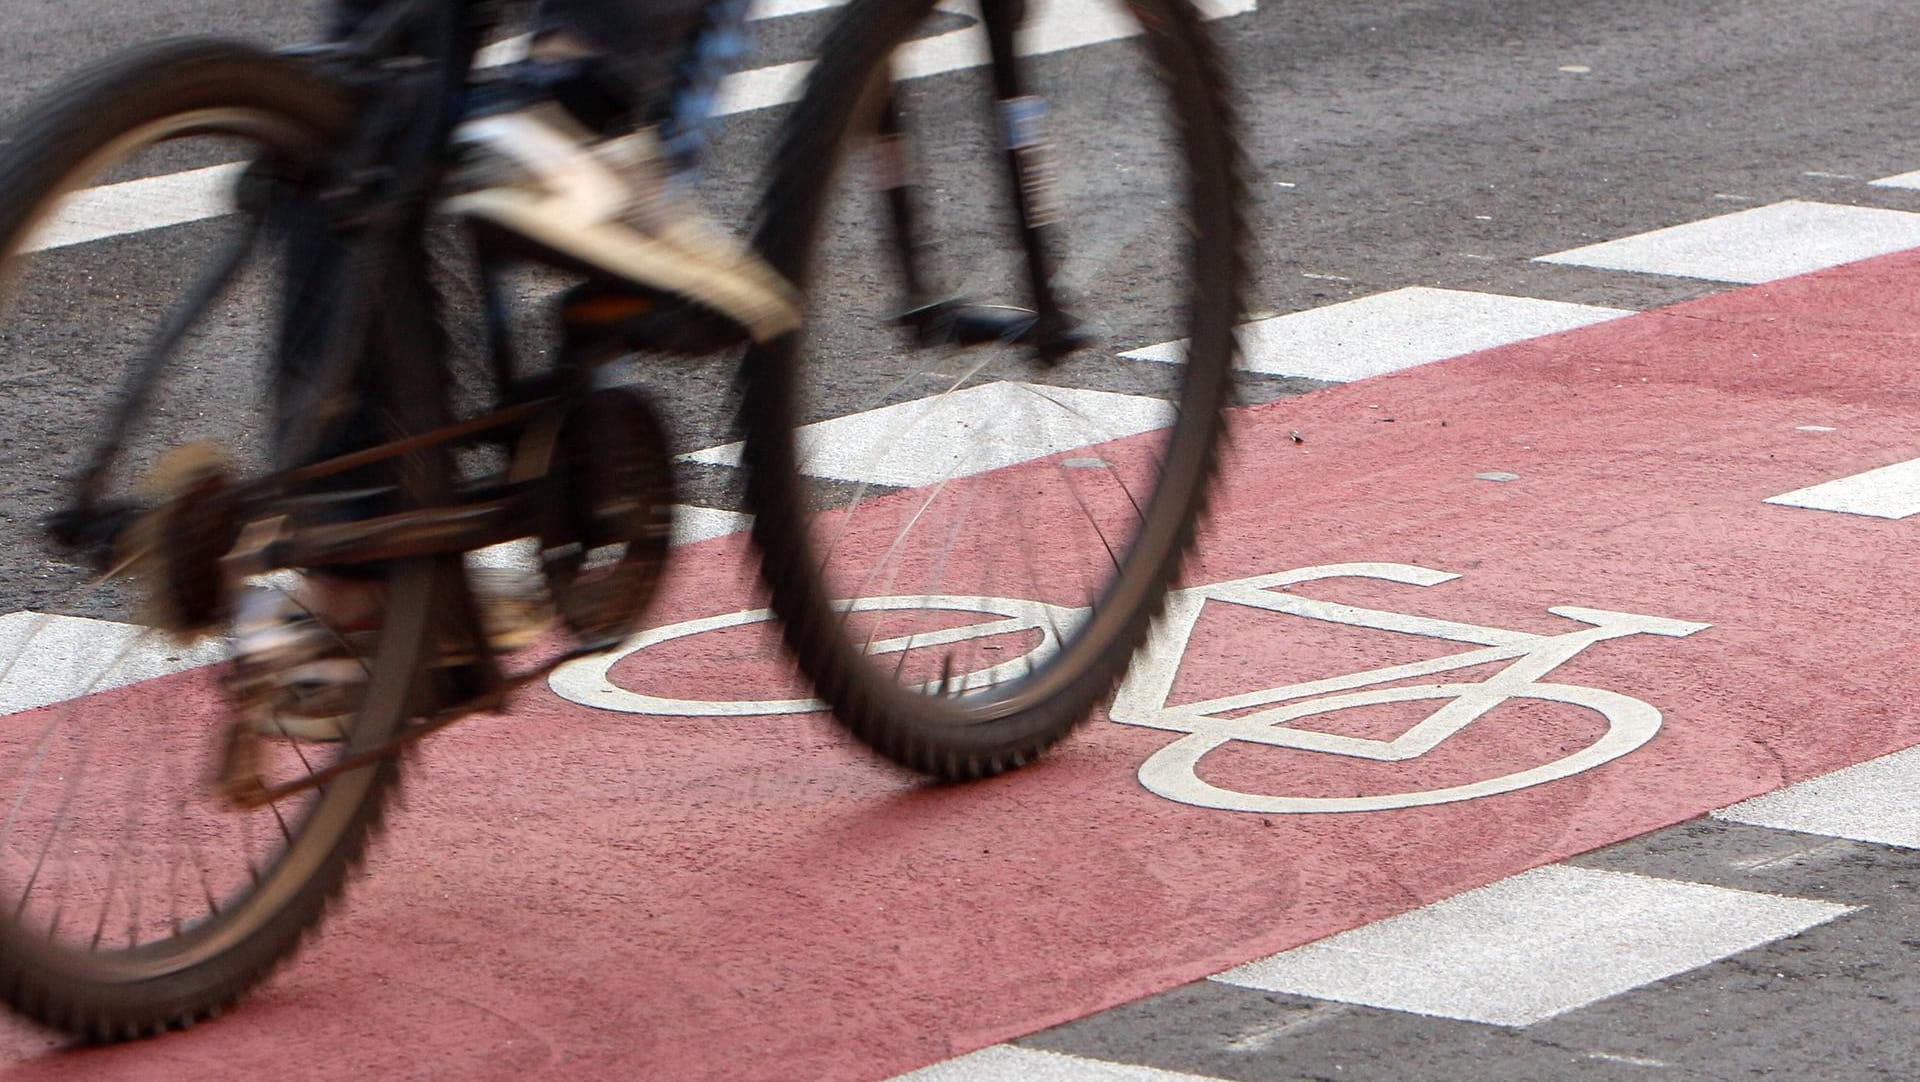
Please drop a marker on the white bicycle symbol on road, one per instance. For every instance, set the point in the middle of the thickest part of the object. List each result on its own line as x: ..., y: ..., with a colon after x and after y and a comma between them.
x: 1173, y: 771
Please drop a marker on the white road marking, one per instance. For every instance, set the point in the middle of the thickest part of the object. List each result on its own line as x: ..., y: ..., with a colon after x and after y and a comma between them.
x: 175, y: 199
x: 515, y: 48
x: 929, y: 440
x: 1390, y: 331
x: 1534, y: 946
x: 1054, y: 26
x: 1888, y: 492
x: 1902, y: 180
x: 1011, y: 1063
x: 588, y: 680
x: 1759, y: 245
x: 50, y: 659
x: 138, y: 205
x: 691, y: 524
x: 1869, y: 802
x: 1284, y: 716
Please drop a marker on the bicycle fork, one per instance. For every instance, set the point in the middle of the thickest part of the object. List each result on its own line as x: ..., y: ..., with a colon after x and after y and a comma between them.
x: 1021, y: 122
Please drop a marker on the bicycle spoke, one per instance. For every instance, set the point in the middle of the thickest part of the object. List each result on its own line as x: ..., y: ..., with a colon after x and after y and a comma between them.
x: 135, y: 394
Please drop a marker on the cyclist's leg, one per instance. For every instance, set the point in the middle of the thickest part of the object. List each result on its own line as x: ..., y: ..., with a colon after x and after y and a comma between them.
x: 586, y: 173
x: 293, y: 644
x: 666, y: 57
x: 610, y: 63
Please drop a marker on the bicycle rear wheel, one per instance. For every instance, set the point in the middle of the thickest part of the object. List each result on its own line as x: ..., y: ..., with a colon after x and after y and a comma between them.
x: 967, y: 542
x: 133, y: 897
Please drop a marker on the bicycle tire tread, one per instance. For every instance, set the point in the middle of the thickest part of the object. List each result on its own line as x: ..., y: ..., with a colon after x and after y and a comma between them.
x: 807, y: 627
x: 76, y: 120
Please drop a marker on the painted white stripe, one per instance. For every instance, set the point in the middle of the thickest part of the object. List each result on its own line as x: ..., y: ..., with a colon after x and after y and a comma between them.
x: 1874, y: 801
x: 690, y: 524
x: 1390, y: 331
x: 961, y: 434
x: 1888, y: 492
x: 1054, y: 27
x: 137, y: 205
x: 1536, y: 945
x: 1759, y: 245
x: 1902, y: 180
x: 512, y: 49
x: 1011, y: 1063
x: 113, y: 210
x: 50, y: 659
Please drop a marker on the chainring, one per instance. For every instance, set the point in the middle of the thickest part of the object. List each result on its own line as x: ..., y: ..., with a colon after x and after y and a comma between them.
x: 173, y: 550
x: 610, y: 516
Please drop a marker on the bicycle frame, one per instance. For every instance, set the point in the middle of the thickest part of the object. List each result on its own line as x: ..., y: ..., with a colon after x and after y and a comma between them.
x: 411, y: 59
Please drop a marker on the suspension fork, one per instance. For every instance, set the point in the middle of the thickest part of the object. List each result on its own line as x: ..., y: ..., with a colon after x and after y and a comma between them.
x: 1046, y: 327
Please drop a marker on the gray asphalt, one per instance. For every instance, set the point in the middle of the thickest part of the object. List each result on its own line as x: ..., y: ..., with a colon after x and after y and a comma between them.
x: 1446, y: 143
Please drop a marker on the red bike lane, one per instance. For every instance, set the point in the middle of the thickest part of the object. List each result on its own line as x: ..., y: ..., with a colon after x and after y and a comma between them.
x: 595, y: 894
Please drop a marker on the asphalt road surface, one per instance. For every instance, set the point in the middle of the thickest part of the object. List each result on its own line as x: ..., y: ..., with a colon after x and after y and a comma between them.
x: 1430, y: 153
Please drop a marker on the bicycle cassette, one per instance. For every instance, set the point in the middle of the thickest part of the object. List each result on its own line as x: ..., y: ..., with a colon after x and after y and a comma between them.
x: 173, y: 550
x: 605, y: 538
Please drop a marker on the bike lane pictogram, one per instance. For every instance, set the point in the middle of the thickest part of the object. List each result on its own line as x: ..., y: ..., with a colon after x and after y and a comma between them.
x: 1394, y: 680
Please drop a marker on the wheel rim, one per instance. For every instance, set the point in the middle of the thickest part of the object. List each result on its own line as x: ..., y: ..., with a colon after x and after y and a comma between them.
x: 1067, y: 487
x: 118, y: 861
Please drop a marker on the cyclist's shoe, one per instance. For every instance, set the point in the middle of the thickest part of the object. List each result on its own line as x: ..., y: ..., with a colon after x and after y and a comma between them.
x: 302, y: 659
x: 606, y: 207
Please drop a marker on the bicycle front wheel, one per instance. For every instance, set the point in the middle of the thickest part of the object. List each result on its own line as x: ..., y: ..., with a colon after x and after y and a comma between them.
x: 133, y: 896
x: 967, y: 533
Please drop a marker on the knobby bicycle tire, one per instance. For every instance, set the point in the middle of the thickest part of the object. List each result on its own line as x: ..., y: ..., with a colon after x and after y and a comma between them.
x: 922, y: 727
x: 152, y: 93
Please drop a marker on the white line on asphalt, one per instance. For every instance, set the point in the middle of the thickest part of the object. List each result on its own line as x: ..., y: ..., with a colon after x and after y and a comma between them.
x: 1534, y: 946
x: 50, y: 659
x: 1026, y: 421
x: 1011, y: 1063
x: 137, y: 205
x: 1387, y: 332
x: 1872, y: 801
x: 1903, y: 180
x: 1759, y: 245
x: 1888, y: 492
x: 175, y: 199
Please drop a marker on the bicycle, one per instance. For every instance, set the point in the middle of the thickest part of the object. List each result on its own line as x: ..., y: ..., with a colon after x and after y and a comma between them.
x: 122, y: 922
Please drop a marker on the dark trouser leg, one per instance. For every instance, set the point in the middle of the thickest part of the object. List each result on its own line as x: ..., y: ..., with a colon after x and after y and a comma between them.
x: 641, y: 43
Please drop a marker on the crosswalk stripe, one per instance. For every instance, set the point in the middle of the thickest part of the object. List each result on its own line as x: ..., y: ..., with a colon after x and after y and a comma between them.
x: 1387, y: 332
x: 179, y: 198
x: 46, y: 659
x: 1902, y: 180
x: 1533, y: 946
x: 1888, y: 492
x: 138, y: 205
x: 929, y: 440
x: 1871, y: 802
x: 1011, y: 1063
x: 1763, y: 244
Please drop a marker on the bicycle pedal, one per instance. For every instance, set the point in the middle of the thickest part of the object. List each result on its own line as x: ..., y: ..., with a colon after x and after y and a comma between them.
x: 960, y: 322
